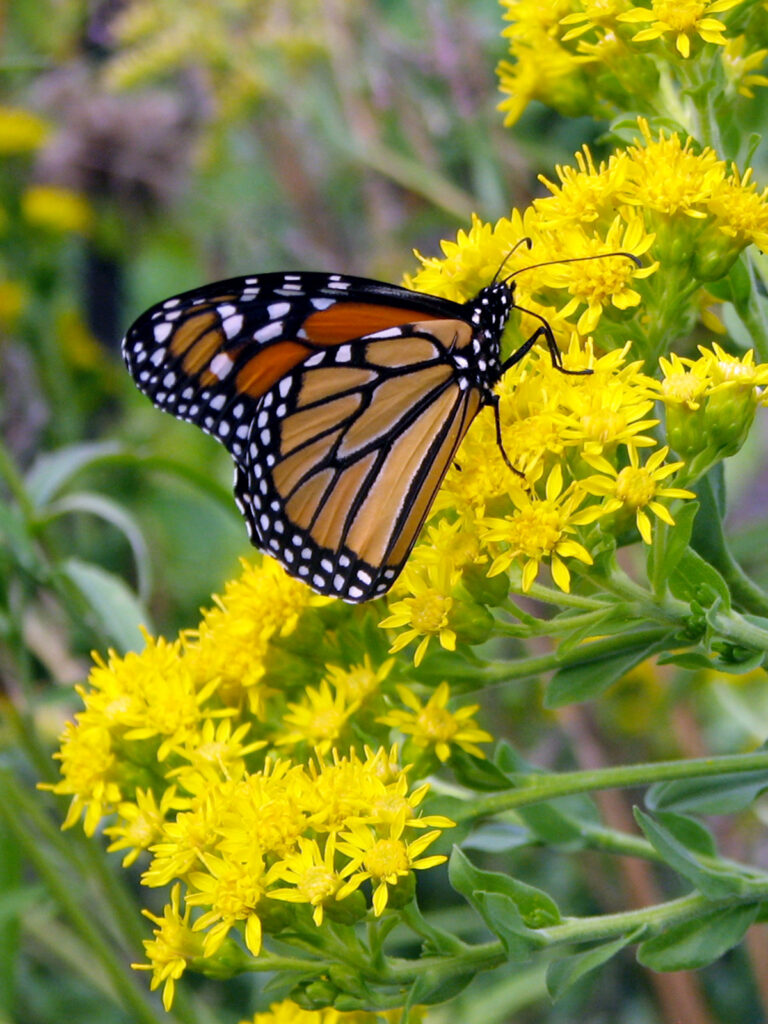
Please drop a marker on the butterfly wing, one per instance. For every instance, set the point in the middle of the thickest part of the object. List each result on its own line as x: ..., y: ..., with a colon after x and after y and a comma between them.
x: 347, y: 453
x: 338, y: 398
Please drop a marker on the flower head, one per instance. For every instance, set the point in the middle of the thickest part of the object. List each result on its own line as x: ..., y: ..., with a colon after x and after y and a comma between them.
x: 637, y: 489
x: 542, y: 528
x: 384, y: 859
x: 174, y: 945
x: 434, y: 727
x: 681, y: 19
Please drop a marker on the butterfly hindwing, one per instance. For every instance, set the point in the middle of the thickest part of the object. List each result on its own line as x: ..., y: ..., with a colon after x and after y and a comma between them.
x: 346, y: 454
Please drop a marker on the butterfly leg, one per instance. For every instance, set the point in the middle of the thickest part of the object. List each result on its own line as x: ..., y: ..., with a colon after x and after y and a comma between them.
x: 544, y: 331
x: 495, y: 403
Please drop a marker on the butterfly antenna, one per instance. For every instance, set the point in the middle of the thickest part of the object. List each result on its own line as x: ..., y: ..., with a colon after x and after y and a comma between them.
x: 572, y: 259
x: 527, y: 242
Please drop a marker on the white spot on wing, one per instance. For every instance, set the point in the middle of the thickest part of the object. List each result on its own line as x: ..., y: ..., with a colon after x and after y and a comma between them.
x: 269, y: 331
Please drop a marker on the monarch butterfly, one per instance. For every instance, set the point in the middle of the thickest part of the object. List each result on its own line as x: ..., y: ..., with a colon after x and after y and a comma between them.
x: 341, y: 400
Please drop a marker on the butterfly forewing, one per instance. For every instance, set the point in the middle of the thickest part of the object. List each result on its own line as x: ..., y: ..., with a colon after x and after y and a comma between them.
x: 208, y: 356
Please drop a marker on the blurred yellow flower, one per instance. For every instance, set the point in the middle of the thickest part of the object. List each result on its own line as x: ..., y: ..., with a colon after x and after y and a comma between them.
x: 54, y: 208
x: 21, y: 131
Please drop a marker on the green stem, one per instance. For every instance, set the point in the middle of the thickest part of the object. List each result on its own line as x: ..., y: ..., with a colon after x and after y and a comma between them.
x: 753, y: 317
x: 651, y: 920
x: 537, y: 788
x: 604, y: 647
x: 132, y: 998
x: 15, y: 481
x: 735, y: 627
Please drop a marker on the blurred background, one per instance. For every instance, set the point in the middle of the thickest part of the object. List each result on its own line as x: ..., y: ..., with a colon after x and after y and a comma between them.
x: 149, y: 146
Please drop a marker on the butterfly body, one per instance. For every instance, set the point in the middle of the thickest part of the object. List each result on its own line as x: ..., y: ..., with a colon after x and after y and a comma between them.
x: 341, y: 400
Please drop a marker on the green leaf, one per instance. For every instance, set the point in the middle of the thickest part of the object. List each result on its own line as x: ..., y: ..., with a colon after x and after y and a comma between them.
x: 694, y: 944
x: 595, y: 672
x: 724, y: 794
x: 691, y: 833
x: 52, y: 471
x: 113, y: 604
x: 565, y: 972
x: 115, y: 515
x: 478, y: 773
x: 511, y: 909
x: 676, y: 538
x: 715, y: 882
x: 696, y: 580
x: 436, y: 985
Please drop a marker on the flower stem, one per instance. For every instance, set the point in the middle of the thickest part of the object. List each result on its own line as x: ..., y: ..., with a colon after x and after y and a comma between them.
x: 535, y: 788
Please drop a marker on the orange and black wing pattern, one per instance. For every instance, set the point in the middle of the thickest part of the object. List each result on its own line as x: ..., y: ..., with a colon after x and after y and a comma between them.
x: 341, y: 400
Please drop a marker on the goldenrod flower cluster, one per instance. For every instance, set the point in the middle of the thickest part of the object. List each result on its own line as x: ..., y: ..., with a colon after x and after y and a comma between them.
x: 590, y: 447
x: 601, y: 57
x: 230, y: 756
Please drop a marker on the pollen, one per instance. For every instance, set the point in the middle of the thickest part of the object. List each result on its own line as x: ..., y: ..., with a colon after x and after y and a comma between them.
x: 535, y: 531
x: 430, y: 612
x: 318, y: 883
x: 437, y: 724
x: 387, y: 857
x: 685, y: 388
x: 635, y: 486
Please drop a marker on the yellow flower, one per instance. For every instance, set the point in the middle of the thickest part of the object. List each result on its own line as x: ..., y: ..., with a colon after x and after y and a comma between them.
x: 740, y: 211
x: 595, y: 14
x: 233, y: 639
x: 598, y: 282
x: 433, y: 726
x: 545, y: 71
x: 358, y: 682
x: 318, y: 720
x: 542, y: 528
x: 426, y: 612
x: 681, y: 18
x: 90, y: 770
x: 636, y: 489
x: 384, y: 859
x: 174, y: 945
x: 685, y: 381
x: 740, y: 68
x: 21, y: 131
x: 586, y: 194
x: 667, y: 175
x: 57, y: 209
x: 215, y: 752
x: 141, y: 823
x: 312, y: 876
x: 233, y: 891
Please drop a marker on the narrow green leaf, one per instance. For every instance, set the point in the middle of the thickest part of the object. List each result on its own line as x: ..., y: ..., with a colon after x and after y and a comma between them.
x: 116, y: 515
x: 715, y: 882
x: 52, y: 471
x: 725, y: 794
x: 694, y: 944
x: 113, y: 604
x: 696, y: 580
x: 478, y: 773
x: 678, y: 537
x: 595, y: 672
x: 565, y: 972
x: 691, y: 833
